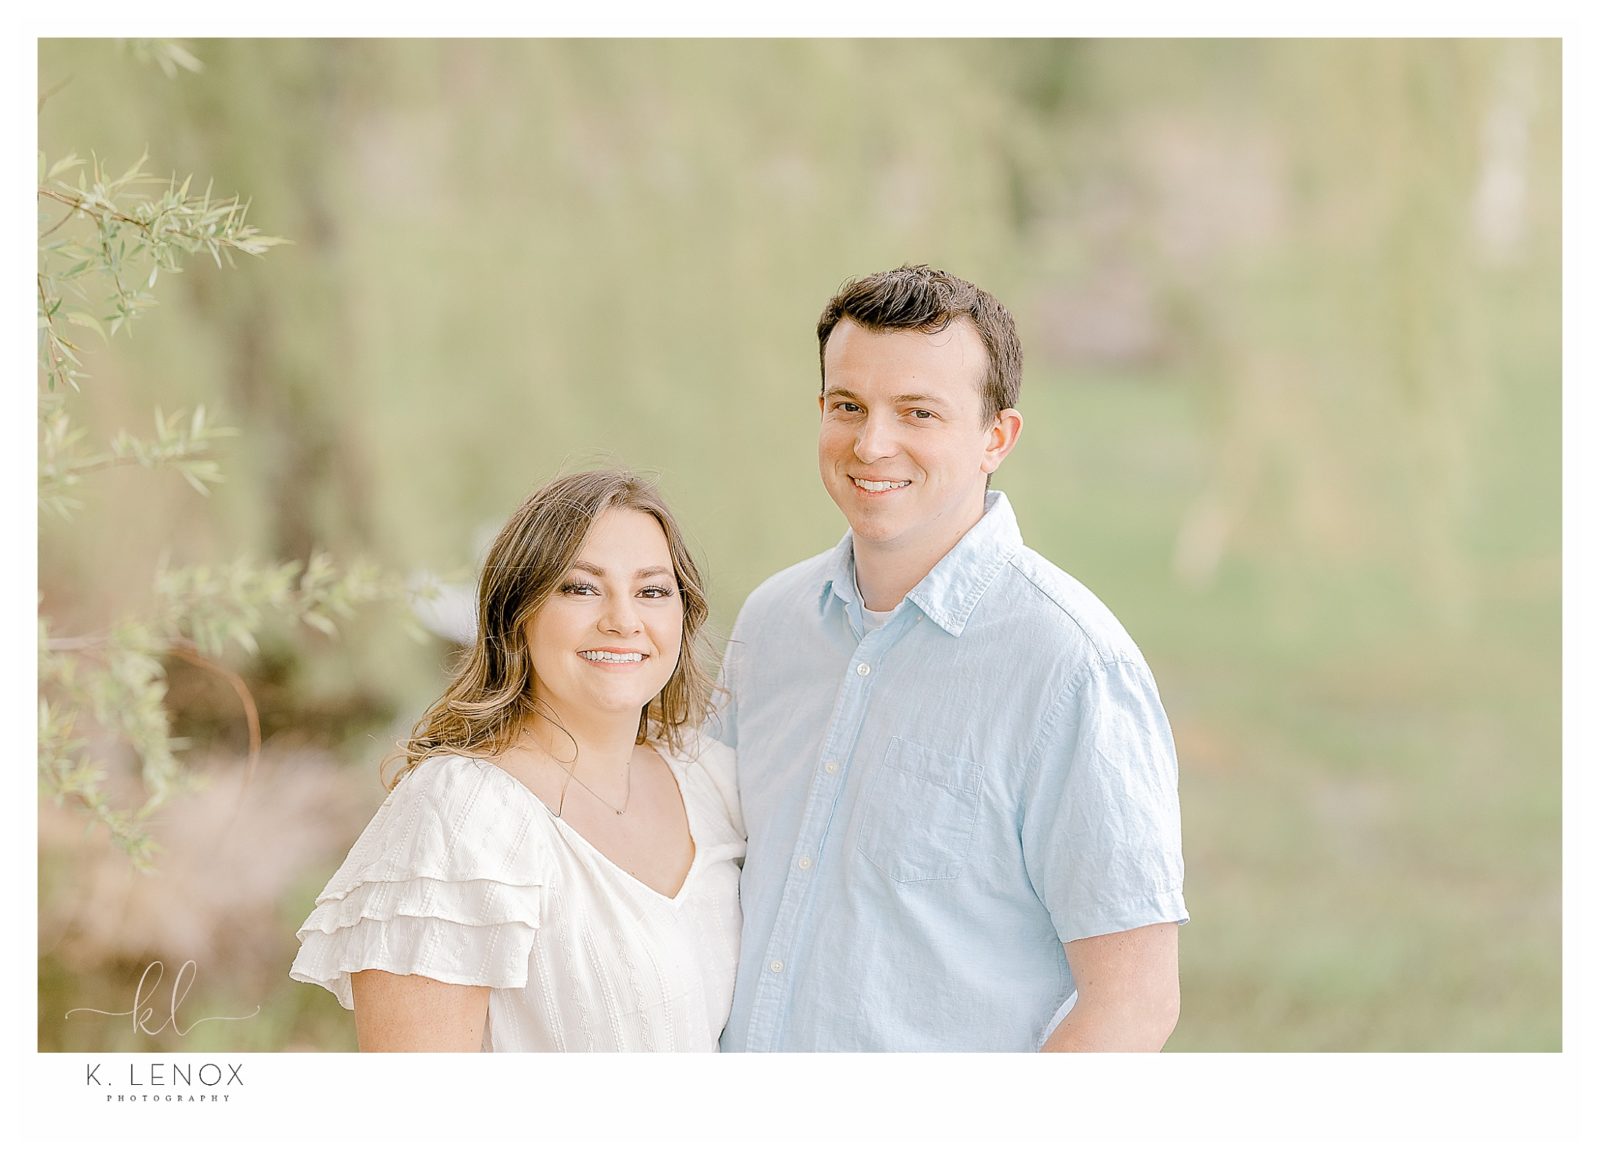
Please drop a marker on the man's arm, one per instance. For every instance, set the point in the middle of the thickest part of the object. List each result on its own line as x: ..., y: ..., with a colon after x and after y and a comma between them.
x: 417, y: 1013
x: 1127, y: 992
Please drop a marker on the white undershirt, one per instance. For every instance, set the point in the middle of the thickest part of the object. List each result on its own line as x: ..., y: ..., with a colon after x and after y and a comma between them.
x: 870, y: 618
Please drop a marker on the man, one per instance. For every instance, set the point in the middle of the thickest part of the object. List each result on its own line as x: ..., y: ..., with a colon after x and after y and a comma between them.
x: 957, y: 777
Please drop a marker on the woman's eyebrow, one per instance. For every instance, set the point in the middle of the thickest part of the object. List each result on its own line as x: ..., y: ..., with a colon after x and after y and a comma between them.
x: 596, y: 570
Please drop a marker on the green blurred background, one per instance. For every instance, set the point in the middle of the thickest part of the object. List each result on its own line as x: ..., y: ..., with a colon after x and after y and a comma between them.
x: 1291, y: 314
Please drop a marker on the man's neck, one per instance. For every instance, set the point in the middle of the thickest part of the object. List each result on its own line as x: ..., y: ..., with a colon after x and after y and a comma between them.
x: 885, y: 573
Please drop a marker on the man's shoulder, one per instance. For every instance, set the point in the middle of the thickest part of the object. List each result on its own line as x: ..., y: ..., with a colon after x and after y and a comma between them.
x: 1049, y: 604
x: 781, y: 589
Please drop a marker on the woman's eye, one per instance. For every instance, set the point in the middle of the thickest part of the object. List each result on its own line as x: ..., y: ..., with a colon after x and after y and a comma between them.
x: 579, y: 588
x: 656, y: 591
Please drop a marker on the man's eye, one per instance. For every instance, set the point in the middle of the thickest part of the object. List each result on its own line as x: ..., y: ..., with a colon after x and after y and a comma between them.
x: 921, y: 413
x: 846, y: 405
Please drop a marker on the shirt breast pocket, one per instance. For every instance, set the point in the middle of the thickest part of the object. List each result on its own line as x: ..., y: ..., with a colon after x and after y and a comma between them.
x: 920, y: 812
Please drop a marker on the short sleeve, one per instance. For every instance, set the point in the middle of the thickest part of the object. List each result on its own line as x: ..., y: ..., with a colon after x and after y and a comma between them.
x: 446, y: 882
x: 1101, y: 836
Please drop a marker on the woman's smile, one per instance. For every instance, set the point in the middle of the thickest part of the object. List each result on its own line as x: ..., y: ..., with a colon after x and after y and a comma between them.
x: 607, y: 640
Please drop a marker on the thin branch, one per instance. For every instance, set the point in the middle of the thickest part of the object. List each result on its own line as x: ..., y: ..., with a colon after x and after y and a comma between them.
x: 101, y: 462
x: 50, y: 328
x: 147, y: 228
x: 67, y: 217
x: 77, y: 644
x: 187, y: 650
x: 78, y: 204
x: 50, y: 92
x: 189, y: 653
x: 111, y: 267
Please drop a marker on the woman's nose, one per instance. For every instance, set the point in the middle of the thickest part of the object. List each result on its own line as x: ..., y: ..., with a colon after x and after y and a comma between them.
x: 619, y: 616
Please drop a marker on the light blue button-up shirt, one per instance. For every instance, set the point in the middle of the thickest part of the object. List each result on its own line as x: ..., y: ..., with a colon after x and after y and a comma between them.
x: 937, y: 805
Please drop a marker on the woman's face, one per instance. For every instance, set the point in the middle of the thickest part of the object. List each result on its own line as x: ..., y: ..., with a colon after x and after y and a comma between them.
x: 608, y: 639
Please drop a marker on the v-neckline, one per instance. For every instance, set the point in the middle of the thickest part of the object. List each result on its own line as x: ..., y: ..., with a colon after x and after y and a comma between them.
x: 566, y: 828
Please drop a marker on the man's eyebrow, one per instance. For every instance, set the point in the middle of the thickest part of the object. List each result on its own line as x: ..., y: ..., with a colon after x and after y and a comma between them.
x: 596, y: 570
x: 908, y: 397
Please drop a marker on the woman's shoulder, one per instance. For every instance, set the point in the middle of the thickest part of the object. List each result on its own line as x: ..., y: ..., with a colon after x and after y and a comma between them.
x: 447, y: 881
x: 452, y: 817
x: 454, y: 782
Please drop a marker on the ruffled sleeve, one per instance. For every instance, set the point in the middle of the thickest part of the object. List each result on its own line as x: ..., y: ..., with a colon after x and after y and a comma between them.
x: 446, y: 881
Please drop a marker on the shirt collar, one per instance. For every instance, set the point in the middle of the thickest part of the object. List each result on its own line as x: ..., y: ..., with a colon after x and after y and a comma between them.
x: 952, y: 588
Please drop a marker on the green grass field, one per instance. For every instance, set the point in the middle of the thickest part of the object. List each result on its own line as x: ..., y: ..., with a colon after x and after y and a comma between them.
x: 1372, y: 802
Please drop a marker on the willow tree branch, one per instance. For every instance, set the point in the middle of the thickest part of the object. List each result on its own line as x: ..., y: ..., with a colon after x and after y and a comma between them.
x: 97, y: 211
x: 50, y: 328
x: 101, y: 462
x: 187, y: 651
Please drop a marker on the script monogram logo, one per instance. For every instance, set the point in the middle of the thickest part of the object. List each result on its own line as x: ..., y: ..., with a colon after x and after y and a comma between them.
x: 142, y: 1011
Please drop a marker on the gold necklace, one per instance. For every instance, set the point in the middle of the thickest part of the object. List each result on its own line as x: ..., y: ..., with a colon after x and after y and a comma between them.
x: 627, y: 793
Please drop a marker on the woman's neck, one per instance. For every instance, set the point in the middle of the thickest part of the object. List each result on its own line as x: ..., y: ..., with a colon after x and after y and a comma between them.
x: 600, y: 747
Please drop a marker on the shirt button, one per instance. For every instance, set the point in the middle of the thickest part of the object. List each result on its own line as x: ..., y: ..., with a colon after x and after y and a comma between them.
x: 805, y: 863
x: 863, y: 669
x: 832, y: 767
x: 777, y: 965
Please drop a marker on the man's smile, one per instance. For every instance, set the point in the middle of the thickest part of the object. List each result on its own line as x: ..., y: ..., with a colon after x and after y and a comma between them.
x: 878, y: 486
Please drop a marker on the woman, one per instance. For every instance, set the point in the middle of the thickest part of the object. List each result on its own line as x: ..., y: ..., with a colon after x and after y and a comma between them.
x: 557, y: 866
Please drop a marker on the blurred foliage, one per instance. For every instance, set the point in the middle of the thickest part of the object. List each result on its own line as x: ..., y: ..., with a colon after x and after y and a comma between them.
x: 1291, y: 313
x: 99, y: 262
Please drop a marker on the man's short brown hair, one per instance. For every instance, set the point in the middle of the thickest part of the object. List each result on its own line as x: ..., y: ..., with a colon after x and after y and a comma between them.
x: 920, y: 298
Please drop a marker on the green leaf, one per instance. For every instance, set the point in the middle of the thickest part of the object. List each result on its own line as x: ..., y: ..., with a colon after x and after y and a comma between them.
x: 182, y: 57
x: 70, y: 161
x: 84, y: 319
x: 133, y: 170
x: 195, y: 481
x: 320, y: 623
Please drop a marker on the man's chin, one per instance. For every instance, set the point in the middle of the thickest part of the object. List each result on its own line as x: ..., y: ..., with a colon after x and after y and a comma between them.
x: 871, y: 528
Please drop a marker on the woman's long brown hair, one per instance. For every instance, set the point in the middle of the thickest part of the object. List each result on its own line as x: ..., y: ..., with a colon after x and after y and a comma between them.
x: 491, y: 694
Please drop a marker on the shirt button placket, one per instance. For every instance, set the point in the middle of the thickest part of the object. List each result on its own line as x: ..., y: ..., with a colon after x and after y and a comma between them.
x: 769, y: 1009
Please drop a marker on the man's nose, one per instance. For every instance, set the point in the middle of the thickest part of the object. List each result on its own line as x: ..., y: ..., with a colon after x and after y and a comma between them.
x: 875, y: 441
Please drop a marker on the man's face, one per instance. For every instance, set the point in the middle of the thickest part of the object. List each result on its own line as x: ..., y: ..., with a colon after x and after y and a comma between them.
x: 904, y: 447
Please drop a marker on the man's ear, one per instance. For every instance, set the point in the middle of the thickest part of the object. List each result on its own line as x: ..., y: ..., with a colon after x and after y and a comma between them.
x: 1004, y: 431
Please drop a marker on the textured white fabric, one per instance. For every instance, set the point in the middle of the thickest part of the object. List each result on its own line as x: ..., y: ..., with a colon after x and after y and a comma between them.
x: 465, y: 876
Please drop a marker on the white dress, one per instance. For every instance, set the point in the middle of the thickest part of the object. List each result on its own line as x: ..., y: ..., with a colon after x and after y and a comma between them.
x: 464, y: 875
